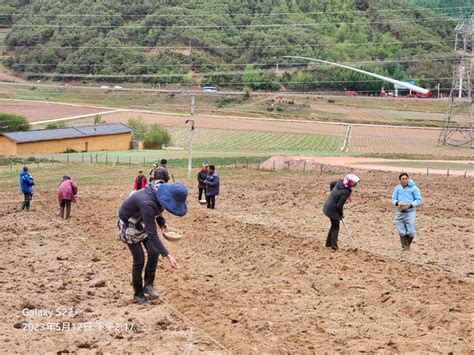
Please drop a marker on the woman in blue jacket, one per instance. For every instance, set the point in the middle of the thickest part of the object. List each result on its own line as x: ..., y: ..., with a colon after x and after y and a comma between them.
x: 406, y: 197
x: 26, y: 187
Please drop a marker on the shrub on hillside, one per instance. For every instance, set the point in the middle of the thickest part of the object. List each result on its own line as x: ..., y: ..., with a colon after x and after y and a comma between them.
x: 156, y: 136
x: 12, y: 123
x: 55, y: 125
x: 98, y: 119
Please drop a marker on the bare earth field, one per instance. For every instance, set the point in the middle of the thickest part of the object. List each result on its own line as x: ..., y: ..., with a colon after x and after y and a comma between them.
x: 363, y: 138
x: 254, y: 275
x: 35, y: 111
x: 315, y: 164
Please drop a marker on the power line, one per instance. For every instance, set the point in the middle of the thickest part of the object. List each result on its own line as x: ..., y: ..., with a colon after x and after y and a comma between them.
x: 208, y: 73
x: 262, y: 14
x: 122, y: 91
x: 266, y: 65
x: 427, y: 19
x: 223, y: 46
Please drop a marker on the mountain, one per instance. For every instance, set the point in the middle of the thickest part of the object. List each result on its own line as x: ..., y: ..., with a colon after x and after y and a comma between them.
x: 233, y: 43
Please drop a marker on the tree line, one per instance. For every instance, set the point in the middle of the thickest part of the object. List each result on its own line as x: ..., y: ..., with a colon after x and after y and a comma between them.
x: 229, y: 43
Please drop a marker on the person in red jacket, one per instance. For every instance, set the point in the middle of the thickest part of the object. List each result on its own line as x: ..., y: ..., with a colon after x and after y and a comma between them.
x: 140, y: 181
x: 66, y: 194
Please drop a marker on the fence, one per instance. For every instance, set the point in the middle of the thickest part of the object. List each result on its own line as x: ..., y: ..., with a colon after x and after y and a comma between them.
x: 97, y: 158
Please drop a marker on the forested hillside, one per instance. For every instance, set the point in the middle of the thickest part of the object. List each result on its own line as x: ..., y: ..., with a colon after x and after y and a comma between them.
x: 235, y: 43
x: 451, y: 7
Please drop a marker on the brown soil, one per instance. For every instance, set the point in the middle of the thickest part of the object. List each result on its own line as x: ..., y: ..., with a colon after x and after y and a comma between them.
x: 363, y: 138
x: 318, y: 164
x: 35, y: 111
x: 11, y: 78
x: 254, y: 274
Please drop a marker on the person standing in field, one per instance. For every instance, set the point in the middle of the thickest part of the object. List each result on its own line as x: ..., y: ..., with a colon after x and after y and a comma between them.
x: 201, y: 178
x: 140, y: 181
x: 26, y: 186
x: 212, y: 187
x: 152, y: 172
x: 66, y: 195
x: 161, y: 172
x: 333, y: 208
x: 406, y: 197
x: 137, y: 219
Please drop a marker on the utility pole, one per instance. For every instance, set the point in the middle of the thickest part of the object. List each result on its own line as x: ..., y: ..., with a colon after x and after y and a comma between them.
x: 460, y: 133
x: 191, y: 134
x: 438, y: 90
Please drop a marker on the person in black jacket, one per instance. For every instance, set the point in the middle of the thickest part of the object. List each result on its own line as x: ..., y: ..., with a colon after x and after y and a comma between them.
x: 334, y: 206
x: 161, y: 172
x: 202, y: 177
x: 137, y: 218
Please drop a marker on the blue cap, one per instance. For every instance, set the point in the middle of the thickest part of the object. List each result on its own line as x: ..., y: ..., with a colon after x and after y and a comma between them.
x: 172, y: 197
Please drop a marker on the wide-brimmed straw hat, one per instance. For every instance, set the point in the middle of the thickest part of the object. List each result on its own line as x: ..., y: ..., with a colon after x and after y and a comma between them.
x: 172, y: 197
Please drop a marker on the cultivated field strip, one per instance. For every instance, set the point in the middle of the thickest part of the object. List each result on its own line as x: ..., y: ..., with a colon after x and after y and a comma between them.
x: 219, y: 139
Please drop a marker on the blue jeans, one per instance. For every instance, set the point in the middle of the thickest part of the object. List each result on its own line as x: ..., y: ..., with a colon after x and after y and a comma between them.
x: 406, y: 222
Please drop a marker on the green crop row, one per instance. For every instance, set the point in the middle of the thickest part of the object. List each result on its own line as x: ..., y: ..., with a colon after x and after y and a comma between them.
x: 215, y: 139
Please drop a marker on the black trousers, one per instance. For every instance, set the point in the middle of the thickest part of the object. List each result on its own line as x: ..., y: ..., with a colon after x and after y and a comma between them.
x: 151, y: 246
x: 201, y: 191
x: 65, y: 204
x: 331, y: 240
x: 26, y: 201
x: 211, y: 201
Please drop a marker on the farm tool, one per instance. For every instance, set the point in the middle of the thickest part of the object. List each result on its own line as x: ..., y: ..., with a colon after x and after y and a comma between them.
x: 348, y: 233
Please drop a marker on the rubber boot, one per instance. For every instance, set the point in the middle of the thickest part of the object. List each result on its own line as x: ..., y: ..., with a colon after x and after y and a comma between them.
x: 149, y: 289
x: 138, y: 295
x: 61, y: 211
x: 27, y: 205
x: 23, y: 206
x: 410, y: 240
x: 404, y: 241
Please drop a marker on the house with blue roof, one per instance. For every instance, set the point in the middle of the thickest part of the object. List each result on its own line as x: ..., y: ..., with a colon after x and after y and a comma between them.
x: 115, y: 136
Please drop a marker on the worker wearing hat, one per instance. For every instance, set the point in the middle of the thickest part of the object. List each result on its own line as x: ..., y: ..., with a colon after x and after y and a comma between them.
x: 138, y: 216
x: 334, y: 206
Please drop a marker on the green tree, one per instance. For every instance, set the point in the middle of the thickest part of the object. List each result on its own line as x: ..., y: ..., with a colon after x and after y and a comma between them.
x: 138, y: 128
x: 156, y: 136
x: 252, y: 77
x: 13, y: 123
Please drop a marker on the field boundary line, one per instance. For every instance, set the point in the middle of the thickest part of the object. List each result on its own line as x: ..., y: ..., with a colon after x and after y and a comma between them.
x: 53, y: 102
x: 74, y: 117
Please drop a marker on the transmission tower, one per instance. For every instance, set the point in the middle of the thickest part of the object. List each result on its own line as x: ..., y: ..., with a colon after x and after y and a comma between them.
x: 457, y: 129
